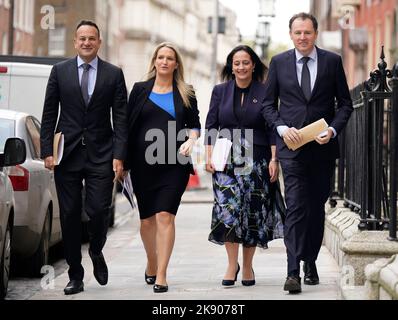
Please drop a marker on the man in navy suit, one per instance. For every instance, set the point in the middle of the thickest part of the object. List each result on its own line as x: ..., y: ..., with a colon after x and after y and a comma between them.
x: 88, y: 90
x: 309, y: 83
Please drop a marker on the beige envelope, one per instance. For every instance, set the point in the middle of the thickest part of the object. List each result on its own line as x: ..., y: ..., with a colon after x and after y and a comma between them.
x: 308, y: 133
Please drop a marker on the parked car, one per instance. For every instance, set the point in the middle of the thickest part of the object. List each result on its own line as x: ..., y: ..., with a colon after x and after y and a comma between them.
x: 37, y: 220
x: 12, y: 152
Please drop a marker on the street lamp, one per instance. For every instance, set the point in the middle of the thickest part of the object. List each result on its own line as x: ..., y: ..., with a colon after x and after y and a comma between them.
x: 263, y: 34
x: 267, y: 8
x: 263, y: 37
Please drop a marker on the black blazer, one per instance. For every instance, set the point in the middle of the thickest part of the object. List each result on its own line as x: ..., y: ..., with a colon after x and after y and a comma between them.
x: 186, y: 118
x: 295, y: 111
x: 221, y: 115
x: 93, y: 123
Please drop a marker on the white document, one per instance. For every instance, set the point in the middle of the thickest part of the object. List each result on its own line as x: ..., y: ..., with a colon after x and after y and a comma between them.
x: 128, y: 190
x: 221, y: 150
x: 58, y: 148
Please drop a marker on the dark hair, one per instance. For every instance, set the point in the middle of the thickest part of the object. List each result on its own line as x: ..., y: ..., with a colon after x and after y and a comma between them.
x: 304, y: 16
x: 88, y: 23
x: 259, y: 69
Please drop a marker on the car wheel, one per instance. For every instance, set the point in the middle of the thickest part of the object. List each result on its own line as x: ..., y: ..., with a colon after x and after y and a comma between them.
x: 40, y: 258
x: 5, y: 263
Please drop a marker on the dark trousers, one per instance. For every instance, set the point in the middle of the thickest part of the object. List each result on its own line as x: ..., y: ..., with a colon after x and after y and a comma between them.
x: 98, y: 181
x: 307, y: 188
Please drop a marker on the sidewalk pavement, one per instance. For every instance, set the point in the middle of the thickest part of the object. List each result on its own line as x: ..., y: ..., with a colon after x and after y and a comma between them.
x: 196, y: 267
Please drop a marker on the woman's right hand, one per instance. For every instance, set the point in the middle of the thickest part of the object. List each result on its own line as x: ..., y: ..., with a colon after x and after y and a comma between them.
x: 210, y: 168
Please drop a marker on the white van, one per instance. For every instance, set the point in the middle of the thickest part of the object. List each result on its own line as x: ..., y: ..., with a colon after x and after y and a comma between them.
x: 23, y: 86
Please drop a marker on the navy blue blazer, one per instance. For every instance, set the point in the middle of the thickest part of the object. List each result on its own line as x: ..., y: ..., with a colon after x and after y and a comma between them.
x: 294, y: 109
x: 221, y: 114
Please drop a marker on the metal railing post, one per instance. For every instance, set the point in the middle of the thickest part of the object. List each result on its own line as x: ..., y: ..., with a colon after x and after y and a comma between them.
x: 393, y: 156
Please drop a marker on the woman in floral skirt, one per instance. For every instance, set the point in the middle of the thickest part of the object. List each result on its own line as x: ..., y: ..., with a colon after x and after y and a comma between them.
x: 248, y: 207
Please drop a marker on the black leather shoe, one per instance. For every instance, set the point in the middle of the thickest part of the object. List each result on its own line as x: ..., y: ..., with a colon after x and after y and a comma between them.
x: 158, y: 288
x: 73, y: 287
x: 231, y: 282
x: 293, y: 284
x: 150, y: 279
x: 249, y: 283
x: 310, y: 274
x: 100, y: 268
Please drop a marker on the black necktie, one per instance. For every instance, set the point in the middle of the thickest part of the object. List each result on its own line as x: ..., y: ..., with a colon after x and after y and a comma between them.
x: 84, y: 83
x: 306, y: 79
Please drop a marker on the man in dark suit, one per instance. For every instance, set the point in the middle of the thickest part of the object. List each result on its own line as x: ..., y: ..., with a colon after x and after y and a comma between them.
x: 308, y: 82
x: 87, y: 89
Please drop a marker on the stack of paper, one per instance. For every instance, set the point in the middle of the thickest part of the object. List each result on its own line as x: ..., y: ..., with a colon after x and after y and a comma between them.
x: 58, y: 148
x: 309, y: 133
x: 128, y: 190
x: 220, y: 153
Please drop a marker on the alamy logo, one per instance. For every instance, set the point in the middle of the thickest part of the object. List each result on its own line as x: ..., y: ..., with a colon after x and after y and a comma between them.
x: 347, y: 280
x: 47, y: 282
x: 347, y: 20
x: 48, y: 20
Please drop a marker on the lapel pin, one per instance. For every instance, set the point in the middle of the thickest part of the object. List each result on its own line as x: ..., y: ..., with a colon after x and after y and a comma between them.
x: 255, y: 100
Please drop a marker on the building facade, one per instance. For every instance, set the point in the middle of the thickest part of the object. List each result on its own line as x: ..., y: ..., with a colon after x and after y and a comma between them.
x: 131, y: 29
x: 55, y: 22
x: 357, y: 29
x: 22, y: 29
x: 143, y: 24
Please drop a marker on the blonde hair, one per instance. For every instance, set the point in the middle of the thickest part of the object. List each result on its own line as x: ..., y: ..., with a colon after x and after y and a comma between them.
x: 186, y: 90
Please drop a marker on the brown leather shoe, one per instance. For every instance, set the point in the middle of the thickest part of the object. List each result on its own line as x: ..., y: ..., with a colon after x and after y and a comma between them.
x: 293, y: 284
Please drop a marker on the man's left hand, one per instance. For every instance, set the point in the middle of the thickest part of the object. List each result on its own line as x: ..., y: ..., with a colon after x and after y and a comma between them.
x: 118, y: 169
x: 325, y: 139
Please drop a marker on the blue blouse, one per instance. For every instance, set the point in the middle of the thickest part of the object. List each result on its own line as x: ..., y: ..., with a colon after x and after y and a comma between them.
x: 164, y: 101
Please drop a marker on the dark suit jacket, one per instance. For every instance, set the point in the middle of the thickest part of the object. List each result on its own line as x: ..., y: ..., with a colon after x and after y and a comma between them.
x: 92, y: 122
x: 296, y: 111
x: 186, y: 118
x: 221, y: 115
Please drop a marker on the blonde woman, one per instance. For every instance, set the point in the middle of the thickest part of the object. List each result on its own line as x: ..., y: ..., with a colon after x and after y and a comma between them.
x: 160, y: 164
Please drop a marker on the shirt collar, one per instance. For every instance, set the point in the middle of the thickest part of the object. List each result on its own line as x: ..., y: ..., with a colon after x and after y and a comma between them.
x: 313, y: 55
x: 93, y: 63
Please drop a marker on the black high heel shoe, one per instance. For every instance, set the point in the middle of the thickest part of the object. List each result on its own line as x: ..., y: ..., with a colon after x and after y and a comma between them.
x: 150, y: 279
x: 231, y: 282
x: 249, y: 283
x: 158, y: 288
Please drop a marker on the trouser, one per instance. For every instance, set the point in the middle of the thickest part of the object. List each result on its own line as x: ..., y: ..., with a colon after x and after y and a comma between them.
x: 307, y: 188
x: 98, y: 183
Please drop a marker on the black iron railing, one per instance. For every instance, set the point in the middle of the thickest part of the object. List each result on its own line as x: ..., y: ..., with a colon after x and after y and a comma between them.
x: 366, y: 174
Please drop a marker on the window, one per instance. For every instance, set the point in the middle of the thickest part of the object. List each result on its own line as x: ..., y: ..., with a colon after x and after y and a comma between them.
x: 7, y: 128
x: 34, y: 135
x: 56, y: 41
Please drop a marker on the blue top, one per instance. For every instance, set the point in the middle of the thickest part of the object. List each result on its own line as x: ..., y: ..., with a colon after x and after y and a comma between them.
x: 164, y: 101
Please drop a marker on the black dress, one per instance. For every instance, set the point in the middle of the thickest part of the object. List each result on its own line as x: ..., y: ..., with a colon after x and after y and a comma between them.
x: 160, y: 185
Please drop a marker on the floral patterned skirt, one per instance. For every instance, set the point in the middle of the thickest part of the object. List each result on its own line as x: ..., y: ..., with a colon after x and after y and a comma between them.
x: 248, y: 209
